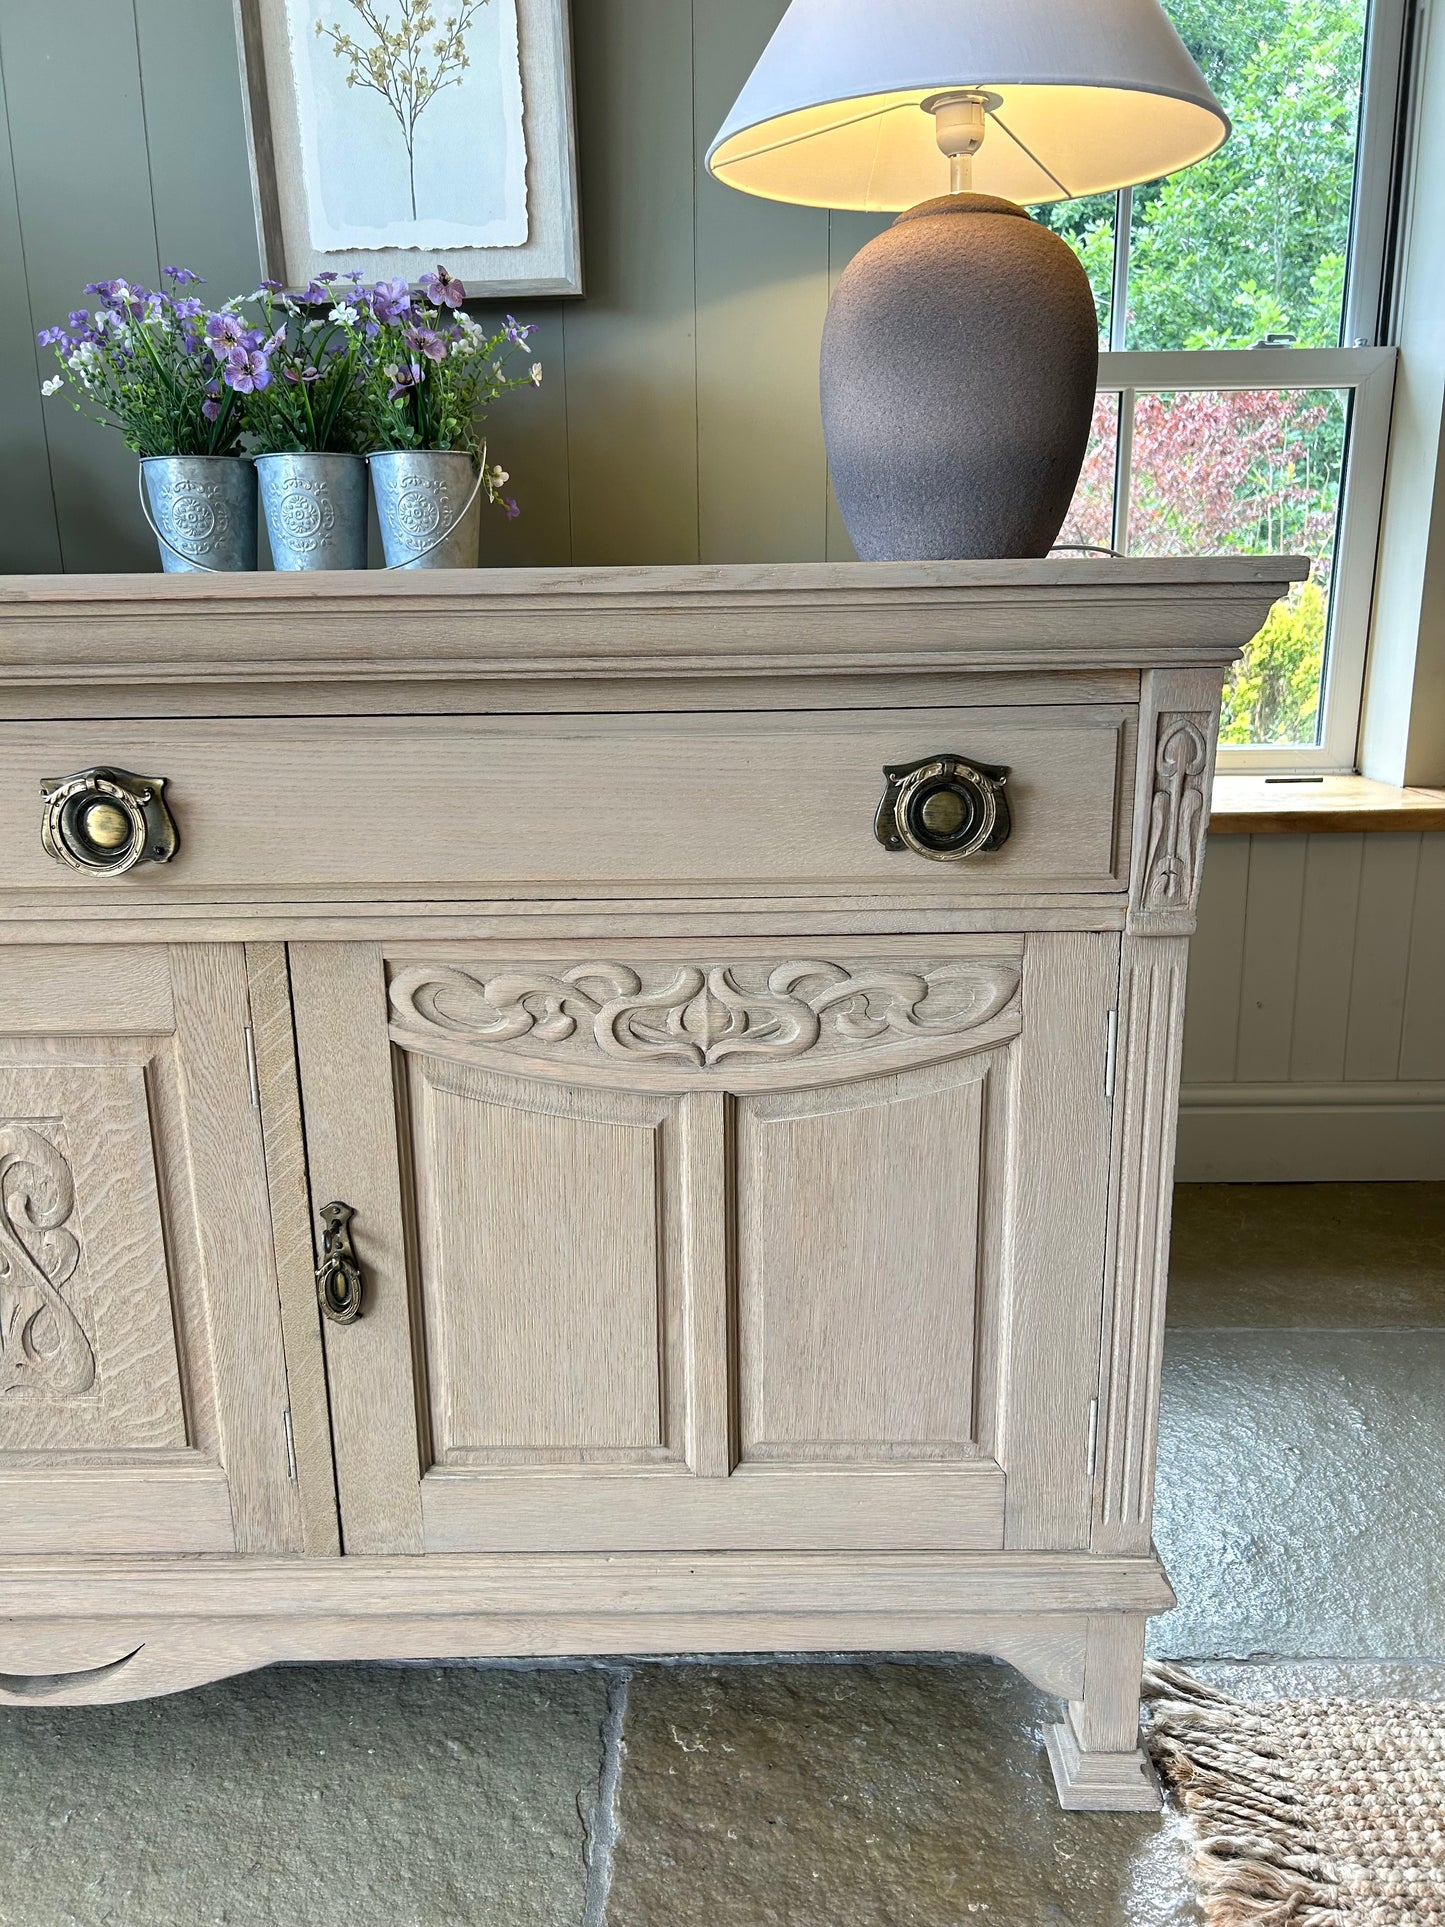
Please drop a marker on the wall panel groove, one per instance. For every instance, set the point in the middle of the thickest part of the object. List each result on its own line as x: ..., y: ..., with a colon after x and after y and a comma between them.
x: 677, y: 422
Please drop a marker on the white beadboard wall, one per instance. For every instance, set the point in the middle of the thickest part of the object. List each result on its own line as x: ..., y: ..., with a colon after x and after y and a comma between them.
x: 1315, y: 1041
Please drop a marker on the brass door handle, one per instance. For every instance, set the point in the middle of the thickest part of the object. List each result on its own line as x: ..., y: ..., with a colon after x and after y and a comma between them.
x: 106, y: 821
x: 944, y: 807
x: 339, y: 1283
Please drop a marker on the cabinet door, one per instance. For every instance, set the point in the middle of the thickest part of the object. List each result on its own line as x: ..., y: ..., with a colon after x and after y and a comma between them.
x: 714, y: 1249
x: 142, y: 1383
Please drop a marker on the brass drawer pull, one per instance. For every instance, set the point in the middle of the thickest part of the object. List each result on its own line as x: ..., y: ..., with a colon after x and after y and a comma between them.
x: 944, y: 807
x: 339, y: 1284
x: 106, y: 821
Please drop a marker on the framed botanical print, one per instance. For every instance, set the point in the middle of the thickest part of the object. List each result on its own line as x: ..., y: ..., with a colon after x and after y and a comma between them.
x: 391, y: 135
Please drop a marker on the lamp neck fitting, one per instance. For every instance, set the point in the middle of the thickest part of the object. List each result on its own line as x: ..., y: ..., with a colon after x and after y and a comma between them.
x: 960, y: 122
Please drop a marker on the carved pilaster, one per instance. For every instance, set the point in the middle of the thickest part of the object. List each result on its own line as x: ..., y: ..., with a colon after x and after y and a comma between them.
x: 1151, y: 1022
x: 1178, y: 727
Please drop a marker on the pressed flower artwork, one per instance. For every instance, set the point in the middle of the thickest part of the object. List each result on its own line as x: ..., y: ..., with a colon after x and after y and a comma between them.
x: 411, y: 123
x: 391, y: 135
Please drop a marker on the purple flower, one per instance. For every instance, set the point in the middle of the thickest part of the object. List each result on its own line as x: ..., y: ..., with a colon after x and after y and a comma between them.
x: 79, y: 317
x: 224, y: 332
x: 403, y: 380
x: 317, y: 294
x: 183, y: 277
x: 271, y: 287
x: 326, y: 277
x: 52, y: 337
x: 445, y: 289
x: 426, y: 343
x: 186, y: 309
x: 295, y: 375
x: 211, y: 406
x: 247, y: 371
x: 510, y: 508
x: 390, y: 300
x: 516, y: 333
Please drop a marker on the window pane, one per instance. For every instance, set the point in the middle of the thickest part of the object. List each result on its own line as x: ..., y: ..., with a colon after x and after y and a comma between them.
x: 1091, y: 514
x: 1250, y: 473
x: 1252, y: 242
x: 1088, y: 227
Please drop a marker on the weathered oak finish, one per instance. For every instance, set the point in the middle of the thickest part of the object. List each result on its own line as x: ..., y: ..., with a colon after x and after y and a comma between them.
x: 763, y: 1235
x: 142, y: 1386
x: 422, y: 801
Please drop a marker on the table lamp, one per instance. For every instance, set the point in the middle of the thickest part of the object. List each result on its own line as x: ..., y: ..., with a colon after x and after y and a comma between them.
x: 960, y: 354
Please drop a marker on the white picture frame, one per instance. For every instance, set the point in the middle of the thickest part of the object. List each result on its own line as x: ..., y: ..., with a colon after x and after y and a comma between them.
x: 477, y: 173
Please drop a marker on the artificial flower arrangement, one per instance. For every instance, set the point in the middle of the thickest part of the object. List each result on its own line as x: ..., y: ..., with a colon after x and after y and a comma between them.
x: 310, y: 385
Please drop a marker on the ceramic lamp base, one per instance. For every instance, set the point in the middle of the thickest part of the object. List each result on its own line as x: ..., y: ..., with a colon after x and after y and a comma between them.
x: 960, y: 359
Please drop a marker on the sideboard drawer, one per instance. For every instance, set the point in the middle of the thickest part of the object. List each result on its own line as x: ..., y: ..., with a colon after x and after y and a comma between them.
x: 555, y: 805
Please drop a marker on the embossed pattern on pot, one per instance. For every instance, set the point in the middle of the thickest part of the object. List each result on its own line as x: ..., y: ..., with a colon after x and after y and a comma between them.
x: 428, y: 502
x: 315, y: 510
x: 204, y: 512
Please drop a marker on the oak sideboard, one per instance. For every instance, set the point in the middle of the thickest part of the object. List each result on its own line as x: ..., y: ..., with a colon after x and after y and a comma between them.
x: 614, y: 1111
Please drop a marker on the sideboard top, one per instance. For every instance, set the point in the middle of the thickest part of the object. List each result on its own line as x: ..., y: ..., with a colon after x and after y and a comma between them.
x: 814, y: 618
x: 771, y: 581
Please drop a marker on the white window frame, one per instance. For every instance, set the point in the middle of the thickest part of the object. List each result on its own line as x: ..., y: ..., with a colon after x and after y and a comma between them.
x: 1365, y: 368
x: 1368, y: 375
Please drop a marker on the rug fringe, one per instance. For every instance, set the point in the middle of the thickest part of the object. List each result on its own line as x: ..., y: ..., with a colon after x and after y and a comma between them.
x: 1256, y: 1849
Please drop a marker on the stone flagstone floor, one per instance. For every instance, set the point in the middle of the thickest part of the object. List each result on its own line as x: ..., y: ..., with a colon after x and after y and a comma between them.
x: 1302, y: 1468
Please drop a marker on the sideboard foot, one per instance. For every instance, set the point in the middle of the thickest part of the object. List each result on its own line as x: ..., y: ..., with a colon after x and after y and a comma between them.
x: 1099, y: 1766
x: 1100, y: 1782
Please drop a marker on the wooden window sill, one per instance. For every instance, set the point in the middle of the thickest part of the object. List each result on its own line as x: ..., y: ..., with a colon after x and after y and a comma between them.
x: 1255, y: 806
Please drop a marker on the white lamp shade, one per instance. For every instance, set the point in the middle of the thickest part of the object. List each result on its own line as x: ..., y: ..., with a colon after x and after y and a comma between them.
x: 1092, y: 95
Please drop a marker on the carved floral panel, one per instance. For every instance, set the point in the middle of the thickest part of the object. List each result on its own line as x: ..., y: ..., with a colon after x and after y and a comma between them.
x: 701, y: 1016
x: 44, y: 1349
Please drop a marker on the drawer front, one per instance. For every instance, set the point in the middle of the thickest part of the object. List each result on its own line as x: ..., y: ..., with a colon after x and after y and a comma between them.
x: 426, y: 808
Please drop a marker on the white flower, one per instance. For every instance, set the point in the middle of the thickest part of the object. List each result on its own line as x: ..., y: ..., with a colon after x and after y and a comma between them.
x: 498, y: 477
x: 536, y: 374
x: 106, y: 320
x: 344, y: 315
x: 53, y: 386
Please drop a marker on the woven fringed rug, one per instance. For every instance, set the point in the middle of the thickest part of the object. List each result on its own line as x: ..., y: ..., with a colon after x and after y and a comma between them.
x: 1305, y: 1813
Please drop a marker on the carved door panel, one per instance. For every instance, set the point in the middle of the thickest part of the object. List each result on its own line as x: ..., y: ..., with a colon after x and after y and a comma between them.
x: 142, y: 1383
x: 694, y: 1252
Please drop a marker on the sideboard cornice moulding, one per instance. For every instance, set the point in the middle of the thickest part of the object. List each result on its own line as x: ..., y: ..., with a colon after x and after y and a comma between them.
x: 493, y: 627
x: 567, y: 1111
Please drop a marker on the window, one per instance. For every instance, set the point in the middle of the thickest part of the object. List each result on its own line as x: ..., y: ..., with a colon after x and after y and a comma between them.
x: 1245, y: 390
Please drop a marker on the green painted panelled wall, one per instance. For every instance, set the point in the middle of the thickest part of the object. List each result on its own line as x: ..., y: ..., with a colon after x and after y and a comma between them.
x: 678, y: 420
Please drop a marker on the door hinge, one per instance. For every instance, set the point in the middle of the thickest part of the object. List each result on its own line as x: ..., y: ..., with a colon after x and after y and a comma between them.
x: 1093, y: 1438
x: 290, y: 1444
x: 252, y: 1069
x: 1111, y: 1055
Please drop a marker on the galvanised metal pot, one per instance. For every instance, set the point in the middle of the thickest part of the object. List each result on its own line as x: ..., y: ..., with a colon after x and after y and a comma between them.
x: 202, y: 511
x: 315, y: 509
x: 429, y: 504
